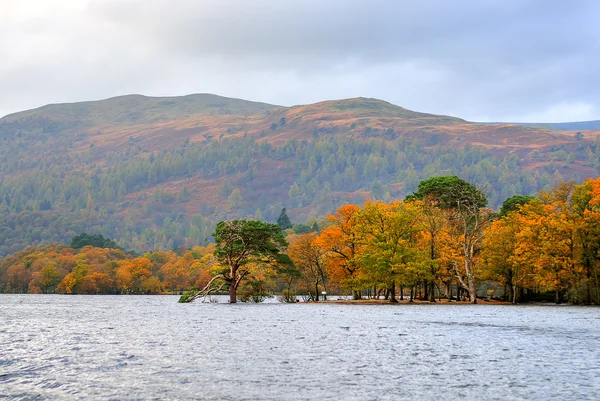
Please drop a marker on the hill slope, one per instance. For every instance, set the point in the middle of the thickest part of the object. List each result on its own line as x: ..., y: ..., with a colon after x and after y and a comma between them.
x: 159, y: 172
x: 135, y: 109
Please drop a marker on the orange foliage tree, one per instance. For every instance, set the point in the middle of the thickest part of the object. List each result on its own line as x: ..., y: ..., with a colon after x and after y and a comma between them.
x: 341, y: 241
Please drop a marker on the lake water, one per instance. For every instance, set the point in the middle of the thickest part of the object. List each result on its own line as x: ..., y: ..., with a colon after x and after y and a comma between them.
x: 152, y: 348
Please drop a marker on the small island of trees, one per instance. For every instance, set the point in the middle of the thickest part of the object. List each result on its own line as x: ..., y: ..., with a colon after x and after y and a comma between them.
x: 441, y: 242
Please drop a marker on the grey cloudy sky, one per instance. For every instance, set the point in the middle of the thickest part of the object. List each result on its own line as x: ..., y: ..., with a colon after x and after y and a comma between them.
x: 484, y: 60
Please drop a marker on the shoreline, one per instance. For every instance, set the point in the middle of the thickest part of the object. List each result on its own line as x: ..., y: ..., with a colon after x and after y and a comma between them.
x: 480, y: 301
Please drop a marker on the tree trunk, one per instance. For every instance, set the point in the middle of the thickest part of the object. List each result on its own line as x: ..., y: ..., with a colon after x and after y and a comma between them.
x: 510, y: 285
x: 233, y: 270
x: 393, y: 293
x: 426, y: 289
x: 324, y: 287
x: 317, y: 292
x: 470, y: 280
x: 356, y: 294
x: 557, y: 294
x: 597, y: 287
x: 402, y: 293
x: 232, y: 293
x: 588, y: 273
x: 432, y: 291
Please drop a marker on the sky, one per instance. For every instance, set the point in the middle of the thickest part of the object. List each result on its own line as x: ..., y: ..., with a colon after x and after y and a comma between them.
x: 483, y: 60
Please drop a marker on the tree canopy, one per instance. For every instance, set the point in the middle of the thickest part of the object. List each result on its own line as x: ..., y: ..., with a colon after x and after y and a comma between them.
x: 514, y: 202
x: 450, y: 191
x: 97, y: 241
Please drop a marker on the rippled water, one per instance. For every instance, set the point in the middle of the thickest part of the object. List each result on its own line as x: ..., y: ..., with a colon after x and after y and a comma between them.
x: 144, y: 348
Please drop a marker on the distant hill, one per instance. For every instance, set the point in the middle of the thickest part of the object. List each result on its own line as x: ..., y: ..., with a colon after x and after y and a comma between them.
x: 136, y: 109
x: 160, y: 172
x: 569, y: 126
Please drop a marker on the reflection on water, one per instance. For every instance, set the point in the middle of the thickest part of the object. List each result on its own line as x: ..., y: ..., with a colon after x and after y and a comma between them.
x: 143, y: 348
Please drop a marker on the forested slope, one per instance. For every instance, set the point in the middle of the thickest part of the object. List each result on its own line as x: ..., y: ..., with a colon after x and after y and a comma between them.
x: 160, y: 172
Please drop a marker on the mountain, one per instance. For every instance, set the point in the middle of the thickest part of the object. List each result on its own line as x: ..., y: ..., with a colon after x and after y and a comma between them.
x: 160, y: 172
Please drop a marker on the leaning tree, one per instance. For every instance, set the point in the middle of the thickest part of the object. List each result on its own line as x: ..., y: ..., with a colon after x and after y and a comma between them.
x: 239, y: 244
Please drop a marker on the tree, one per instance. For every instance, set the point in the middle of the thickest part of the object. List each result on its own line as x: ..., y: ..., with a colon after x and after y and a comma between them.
x: 310, y: 260
x: 514, y: 202
x: 449, y: 192
x: 435, y: 227
x: 49, y: 277
x: 98, y: 240
x: 342, y: 242
x: 283, y: 221
x: 240, y: 244
x: 235, y: 199
x: 388, y: 233
x: 465, y: 205
x: 508, y: 249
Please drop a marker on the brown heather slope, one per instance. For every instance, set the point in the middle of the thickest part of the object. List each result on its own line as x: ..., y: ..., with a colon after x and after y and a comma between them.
x: 96, y: 129
x: 153, y: 124
x: 157, y: 123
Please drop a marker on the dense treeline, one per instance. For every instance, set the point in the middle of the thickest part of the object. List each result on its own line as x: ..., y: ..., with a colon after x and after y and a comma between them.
x: 442, y: 241
x: 126, y: 196
x: 548, y: 244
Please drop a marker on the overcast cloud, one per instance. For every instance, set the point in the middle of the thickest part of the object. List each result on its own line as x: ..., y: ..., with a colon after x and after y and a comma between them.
x: 483, y: 60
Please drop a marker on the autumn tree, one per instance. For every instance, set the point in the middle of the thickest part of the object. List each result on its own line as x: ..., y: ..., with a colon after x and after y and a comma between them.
x: 434, y: 229
x: 586, y: 204
x: 505, y: 255
x: 465, y: 205
x: 309, y: 259
x: 388, y: 233
x: 47, y: 278
x: 341, y: 240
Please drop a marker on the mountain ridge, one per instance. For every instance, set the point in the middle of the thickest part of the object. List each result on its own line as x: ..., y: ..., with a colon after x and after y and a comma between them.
x: 187, y: 105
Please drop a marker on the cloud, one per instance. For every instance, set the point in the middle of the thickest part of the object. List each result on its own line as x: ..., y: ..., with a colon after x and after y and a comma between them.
x: 493, y: 59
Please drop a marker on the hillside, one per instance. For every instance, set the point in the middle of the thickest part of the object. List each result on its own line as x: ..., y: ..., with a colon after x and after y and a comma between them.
x: 159, y: 172
x: 131, y: 109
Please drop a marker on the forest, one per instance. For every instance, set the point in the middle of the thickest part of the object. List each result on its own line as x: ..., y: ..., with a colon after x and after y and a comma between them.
x: 442, y: 241
x: 134, y: 201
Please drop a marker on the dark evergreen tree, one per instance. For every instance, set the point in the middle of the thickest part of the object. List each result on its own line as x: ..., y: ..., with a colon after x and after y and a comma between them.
x: 514, y: 202
x: 283, y: 221
x: 93, y: 240
x: 45, y: 205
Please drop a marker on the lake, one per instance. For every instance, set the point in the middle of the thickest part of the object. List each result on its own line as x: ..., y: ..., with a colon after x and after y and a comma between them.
x: 152, y: 348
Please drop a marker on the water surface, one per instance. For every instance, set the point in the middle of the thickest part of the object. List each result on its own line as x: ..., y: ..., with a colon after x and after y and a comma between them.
x: 152, y: 348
